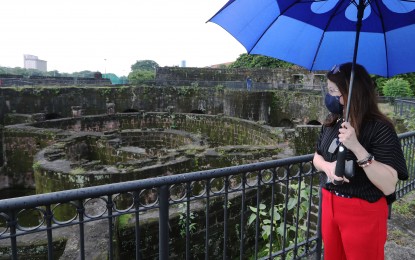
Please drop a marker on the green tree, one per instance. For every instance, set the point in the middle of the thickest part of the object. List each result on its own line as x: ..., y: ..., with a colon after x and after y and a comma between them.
x: 379, y: 82
x: 148, y: 65
x: 34, y: 72
x: 397, y: 87
x: 142, y: 71
x: 259, y: 61
x: 410, y: 77
x: 53, y: 73
x: 141, y: 76
x: 83, y: 74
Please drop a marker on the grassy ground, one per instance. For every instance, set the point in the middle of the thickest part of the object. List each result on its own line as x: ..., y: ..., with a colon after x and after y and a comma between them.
x: 401, y: 225
x: 387, y: 109
x: 402, y: 125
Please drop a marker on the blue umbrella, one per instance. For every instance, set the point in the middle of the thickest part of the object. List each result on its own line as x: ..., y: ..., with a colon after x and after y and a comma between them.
x: 379, y: 34
x: 318, y: 34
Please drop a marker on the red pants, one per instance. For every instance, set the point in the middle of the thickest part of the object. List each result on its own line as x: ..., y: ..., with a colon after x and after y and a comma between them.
x: 352, y: 228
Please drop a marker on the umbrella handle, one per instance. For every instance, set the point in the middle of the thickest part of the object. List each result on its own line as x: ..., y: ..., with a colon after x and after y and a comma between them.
x: 341, y: 163
x: 341, y: 154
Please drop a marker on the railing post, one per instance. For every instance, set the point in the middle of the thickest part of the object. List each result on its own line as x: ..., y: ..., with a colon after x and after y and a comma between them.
x: 243, y: 212
x: 225, y: 220
x: 110, y: 205
x: 137, y: 225
x: 207, y: 219
x: 81, y: 211
x: 188, y: 191
x: 12, y: 222
x: 395, y: 107
x: 48, y: 218
x: 164, y: 223
x: 401, y: 109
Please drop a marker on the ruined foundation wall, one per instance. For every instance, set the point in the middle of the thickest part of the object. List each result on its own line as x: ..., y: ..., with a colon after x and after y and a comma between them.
x: 267, y: 106
x: 232, y: 138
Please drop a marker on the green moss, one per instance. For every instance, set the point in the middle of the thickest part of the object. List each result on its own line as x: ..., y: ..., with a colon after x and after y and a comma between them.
x: 404, y: 208
x: 19, y: 161
x: 36, y: 166
x: 105, y: 91
x: 78, y: 170
x: 123, y: 220
x: 305, y: 139
x: 399, y: 237
x: 219, y: 88
x: 36, y: 250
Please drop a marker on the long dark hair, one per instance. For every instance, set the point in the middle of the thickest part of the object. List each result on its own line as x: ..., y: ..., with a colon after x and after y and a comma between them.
x: 364, y: 101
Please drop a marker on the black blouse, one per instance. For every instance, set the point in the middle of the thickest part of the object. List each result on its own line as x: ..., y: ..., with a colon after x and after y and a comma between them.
x: 379, y: 139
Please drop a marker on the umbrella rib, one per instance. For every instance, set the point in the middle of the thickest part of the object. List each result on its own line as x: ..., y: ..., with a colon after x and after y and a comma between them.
x: 282, y: 12
x: 384, y: 36
x: 270, y: 24
x: 223, y: 7
x: 324, y: 32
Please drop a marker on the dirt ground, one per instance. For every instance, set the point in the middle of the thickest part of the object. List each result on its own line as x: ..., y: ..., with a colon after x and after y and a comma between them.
x: 401, y: 229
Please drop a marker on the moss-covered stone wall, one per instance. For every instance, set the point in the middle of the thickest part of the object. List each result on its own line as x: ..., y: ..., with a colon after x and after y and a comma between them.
x: 94, y: 147
x: 20, y: 144
x: 275, y: 77
x: 55, y: 102
x: 219, y: 129
x: 22, y: 105
x: 305, y: 139
x: 1, y: 147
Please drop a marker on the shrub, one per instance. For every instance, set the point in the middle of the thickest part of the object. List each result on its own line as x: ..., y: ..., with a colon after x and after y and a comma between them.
x: 141, y: 76
x: 397, y: 87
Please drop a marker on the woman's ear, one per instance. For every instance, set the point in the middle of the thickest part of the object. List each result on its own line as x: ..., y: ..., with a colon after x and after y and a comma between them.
x: 341, y: 100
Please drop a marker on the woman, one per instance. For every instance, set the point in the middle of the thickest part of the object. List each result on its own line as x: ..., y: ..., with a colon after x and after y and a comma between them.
x: 354, y: 212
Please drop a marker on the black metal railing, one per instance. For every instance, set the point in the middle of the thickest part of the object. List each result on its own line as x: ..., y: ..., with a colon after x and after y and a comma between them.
x: 404, y: 107
x: 408, y: 148
x: 255, y: 211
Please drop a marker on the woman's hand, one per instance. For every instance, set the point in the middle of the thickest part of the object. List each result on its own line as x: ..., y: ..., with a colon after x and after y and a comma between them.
x: 383, y: 176
x: 347, y: 136
x: 328, y: 168
x: 331, y: 173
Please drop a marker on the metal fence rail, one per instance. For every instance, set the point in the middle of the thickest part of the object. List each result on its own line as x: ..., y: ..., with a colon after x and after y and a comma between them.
x: 408, y: 148
x: 263, y: 210
x: 404, y: 107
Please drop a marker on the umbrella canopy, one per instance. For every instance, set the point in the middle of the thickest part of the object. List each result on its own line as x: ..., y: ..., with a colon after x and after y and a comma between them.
x: 318, y: 34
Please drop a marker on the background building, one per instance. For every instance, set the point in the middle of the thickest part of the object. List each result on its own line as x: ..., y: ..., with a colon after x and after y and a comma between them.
x: 33, y: 62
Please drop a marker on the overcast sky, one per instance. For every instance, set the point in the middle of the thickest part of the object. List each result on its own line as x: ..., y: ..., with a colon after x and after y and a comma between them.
x: 103, y: 35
